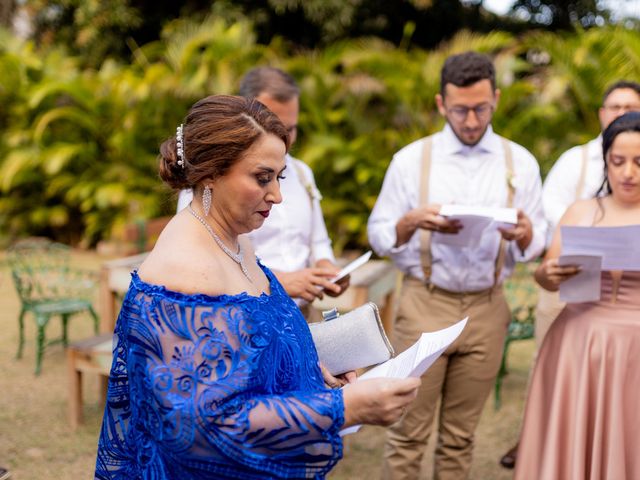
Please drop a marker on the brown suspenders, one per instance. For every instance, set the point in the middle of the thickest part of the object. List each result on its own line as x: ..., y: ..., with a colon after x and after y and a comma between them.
x: 425, y: 235
x: 309, y: 189
x: 502, y: 251
x: 583, y: 170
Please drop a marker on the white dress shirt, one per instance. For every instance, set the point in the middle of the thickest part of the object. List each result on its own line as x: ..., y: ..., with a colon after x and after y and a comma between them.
x: 461, y: 175
x: 293, y: 237
x: 561, y: 185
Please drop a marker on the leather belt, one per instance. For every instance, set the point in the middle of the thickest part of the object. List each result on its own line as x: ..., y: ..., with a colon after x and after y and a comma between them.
x: 450, y: 293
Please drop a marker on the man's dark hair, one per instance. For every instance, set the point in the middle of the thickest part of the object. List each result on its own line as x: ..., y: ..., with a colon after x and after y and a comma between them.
x: 466, y: 69
x: 622, y: 84
x: 272, y: 81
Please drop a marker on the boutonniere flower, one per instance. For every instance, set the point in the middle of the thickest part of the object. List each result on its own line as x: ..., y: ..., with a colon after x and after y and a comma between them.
x: 309, y: 190
x: 313, y: 192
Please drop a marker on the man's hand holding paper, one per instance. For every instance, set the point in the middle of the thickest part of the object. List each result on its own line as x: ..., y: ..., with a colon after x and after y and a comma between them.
x: 430, y: 217
x: 478, y: 220
x: 522, y: 233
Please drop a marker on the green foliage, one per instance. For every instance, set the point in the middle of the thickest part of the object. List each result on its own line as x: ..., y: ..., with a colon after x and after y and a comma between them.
x: 78, y: 146
x: 93, y: 28
x: 79, y: 149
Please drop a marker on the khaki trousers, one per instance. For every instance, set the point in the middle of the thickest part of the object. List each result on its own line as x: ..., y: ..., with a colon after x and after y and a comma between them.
x: 461, y: 378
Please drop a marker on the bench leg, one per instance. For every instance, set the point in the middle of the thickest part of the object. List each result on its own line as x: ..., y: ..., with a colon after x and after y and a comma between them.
x: 103, y: 381
x: 65, y: 329
x: 75, y: 390
x: 501, y: 373
x: 23, y: 312
x: 96, y: 321
x: 41, y: 323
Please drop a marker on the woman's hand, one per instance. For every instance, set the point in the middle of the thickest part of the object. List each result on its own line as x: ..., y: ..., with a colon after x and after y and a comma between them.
x: 550, y: 274
x: 339, y: 380
x: 378, y: 401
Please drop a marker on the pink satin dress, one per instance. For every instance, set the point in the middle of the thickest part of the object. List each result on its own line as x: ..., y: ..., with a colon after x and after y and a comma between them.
x: 582, y: 419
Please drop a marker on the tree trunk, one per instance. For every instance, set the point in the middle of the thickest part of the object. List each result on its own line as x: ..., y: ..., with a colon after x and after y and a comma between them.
x: 7, y: 8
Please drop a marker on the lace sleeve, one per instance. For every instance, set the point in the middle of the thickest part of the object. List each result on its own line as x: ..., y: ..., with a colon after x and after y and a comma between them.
x: 229, y: 389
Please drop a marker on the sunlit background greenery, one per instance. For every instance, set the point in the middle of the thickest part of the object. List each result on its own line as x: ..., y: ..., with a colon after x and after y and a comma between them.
x: 94, y: 88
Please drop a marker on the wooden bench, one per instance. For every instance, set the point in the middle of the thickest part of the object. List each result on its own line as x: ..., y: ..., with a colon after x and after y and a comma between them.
x: 92, y: 355
x: 115, y: 277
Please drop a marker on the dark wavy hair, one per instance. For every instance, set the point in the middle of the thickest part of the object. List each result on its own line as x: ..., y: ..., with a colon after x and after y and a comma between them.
x: 465, y: 69
x: 629, y: 122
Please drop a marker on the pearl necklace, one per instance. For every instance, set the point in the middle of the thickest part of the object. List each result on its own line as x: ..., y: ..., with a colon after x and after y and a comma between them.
x: 236, y: 257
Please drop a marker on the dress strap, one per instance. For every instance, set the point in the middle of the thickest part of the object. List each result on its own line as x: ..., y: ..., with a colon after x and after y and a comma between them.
x: 304, y: 181
x: 583, y: 170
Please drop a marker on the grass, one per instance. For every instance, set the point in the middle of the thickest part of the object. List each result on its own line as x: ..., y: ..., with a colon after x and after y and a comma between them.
x: 36, y: 441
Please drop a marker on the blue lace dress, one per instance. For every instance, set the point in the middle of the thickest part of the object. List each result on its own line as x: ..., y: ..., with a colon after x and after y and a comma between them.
x: 205, y: 387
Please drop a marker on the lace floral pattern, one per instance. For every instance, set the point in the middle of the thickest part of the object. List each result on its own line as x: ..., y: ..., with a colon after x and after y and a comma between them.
x: 208, y: 387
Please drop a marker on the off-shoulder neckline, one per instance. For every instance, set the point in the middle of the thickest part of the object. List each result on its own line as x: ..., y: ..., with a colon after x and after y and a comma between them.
x: 154, y: 289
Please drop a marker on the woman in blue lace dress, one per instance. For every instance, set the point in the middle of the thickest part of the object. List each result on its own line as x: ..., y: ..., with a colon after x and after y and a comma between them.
x: 214, y: 373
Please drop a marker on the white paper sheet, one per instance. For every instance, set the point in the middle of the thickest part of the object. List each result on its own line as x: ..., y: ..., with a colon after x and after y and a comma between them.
x: 358, y: 262
x: 498, y: 214
x: 619, y: 247
x: 584, y: 286
x: 469, y: 236
x: 476, y: 221
x: 415, y: 360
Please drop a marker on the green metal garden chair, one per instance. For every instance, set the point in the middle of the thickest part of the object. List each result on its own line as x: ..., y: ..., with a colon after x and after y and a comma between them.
x: 47, y: 287
x: 521, y: 292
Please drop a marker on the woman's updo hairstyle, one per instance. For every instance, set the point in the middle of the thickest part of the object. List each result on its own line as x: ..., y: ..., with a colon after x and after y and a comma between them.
x: 629, y: 122
x: 218, y: 130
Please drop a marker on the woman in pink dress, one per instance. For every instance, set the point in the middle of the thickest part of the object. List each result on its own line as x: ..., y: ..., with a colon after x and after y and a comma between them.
x: 582, y: 419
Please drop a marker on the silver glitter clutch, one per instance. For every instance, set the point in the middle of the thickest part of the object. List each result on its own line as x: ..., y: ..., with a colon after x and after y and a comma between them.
x: 350, y: 341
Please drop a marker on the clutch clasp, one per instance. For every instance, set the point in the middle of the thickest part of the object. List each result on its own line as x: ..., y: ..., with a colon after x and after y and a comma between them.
x: 332, y: 314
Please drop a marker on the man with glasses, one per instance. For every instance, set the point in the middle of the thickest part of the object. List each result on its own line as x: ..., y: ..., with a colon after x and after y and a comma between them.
x: 466, y: 164
x: 577, y: 175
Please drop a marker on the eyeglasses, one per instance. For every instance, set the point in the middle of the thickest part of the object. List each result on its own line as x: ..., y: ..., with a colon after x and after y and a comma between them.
x: 460, y: 113
x: 622, y: 108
